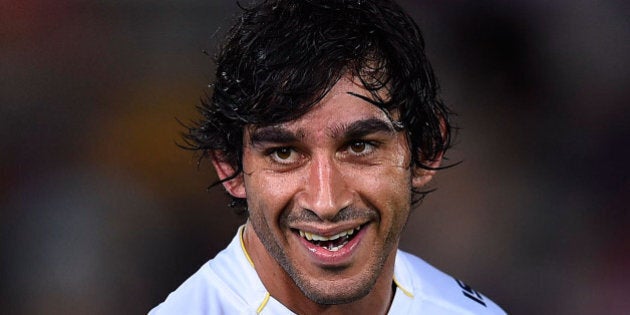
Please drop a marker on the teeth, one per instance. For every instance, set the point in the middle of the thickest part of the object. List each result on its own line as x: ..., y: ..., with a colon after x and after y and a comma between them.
x: 315, y: 237
x: 306, y: 235
x: 335, y: 248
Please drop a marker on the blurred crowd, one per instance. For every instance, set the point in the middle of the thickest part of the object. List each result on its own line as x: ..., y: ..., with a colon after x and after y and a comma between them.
x: 102, y: 213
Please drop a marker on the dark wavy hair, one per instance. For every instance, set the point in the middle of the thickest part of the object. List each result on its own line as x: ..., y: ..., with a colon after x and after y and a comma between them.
x: 283, y: 56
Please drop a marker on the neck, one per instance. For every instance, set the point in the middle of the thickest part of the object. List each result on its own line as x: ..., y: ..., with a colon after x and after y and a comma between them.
x: 281, y: 287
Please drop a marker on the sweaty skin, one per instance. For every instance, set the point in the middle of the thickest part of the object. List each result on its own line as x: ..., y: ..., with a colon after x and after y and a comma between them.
x: 340, y: 169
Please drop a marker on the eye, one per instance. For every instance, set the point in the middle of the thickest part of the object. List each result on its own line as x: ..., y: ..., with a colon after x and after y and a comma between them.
x: 357, y: 147
x: 284, y: 155
x: 361, y: 148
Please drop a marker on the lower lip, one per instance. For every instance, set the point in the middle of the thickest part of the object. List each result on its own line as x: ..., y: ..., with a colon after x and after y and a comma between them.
x: 326, y: 258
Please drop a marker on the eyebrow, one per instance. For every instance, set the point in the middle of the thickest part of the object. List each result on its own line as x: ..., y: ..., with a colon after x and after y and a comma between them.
x: 355, y: 130
x: 274, y: 134
x: 362, y: 128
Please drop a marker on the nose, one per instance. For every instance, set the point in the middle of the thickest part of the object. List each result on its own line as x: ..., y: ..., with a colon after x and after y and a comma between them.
x: 326, y: 190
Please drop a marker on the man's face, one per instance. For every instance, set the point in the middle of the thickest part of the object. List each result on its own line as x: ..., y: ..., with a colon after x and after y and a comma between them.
x: 329, y: 194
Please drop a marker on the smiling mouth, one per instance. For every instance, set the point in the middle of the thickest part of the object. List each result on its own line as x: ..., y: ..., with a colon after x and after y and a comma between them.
x: 331, y: 243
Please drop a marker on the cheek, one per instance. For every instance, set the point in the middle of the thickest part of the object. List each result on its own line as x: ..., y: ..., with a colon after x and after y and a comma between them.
x: 268, y: 193
x: 258, y: 188
x: 386, y: 187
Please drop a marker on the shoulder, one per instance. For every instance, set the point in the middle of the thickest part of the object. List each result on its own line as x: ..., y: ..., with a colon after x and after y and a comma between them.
x: 226, y: 284
x: 438, y: 292
x: 199, y: 294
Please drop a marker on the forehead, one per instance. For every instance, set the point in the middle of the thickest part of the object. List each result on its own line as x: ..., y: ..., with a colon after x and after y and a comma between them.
x: 347, y: 102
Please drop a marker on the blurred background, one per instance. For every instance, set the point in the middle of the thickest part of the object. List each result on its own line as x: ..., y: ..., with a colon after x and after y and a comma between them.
x: 101, y: 212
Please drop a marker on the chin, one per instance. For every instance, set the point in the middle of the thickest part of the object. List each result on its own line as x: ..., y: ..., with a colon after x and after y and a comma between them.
x: 336, y: 293
x: 325, y: 298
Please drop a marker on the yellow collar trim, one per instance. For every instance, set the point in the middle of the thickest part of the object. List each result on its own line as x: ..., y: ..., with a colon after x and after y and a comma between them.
x: 242, y: 233
x: 263, y: 304
x: 405, y: 291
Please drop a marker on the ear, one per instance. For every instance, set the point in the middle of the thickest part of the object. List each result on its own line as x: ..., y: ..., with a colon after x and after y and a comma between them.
x: 234, y: 186
x: 422, y: 176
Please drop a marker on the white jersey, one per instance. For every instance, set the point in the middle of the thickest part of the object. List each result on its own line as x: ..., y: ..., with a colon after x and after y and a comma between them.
x: 228, y: 284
